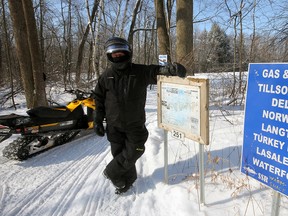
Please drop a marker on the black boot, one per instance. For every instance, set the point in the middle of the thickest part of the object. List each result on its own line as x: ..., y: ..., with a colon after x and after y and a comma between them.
x: 123, y: 190
x: 118, y: 183
x: 130, y: 177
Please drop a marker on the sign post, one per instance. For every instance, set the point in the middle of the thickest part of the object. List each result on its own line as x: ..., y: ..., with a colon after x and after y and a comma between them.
x: 265, y: 145
x: 166, y: 156
x: 276, y: 204
x: 183, y: 110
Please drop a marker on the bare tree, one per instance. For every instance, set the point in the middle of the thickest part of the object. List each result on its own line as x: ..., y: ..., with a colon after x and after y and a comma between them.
x: 28, y: 51
x: 41, y: 32
x: 162, y: 31
x: 117, y: 17
x: 125, y: 18
x: 66, y: 42
x: 97, y: 53
x: 19, y: 26
x: 84, y: 39
x: 8, y: 54
x: 234, y: 17
x: 252, y: 46
x: 65, y: 38
x: 241, y: 46
x: 134, y: 17
x: 184, y: 32
x: 239, y: 51
x: 39, y: 98
x: 1, y: 64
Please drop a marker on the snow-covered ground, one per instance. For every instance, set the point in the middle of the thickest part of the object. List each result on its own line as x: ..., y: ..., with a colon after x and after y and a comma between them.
x: 67, y: 180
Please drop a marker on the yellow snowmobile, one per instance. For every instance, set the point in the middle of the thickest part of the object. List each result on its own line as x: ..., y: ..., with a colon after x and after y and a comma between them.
x: 46, y: 127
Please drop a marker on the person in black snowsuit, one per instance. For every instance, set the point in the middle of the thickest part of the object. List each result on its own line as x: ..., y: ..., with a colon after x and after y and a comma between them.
x: 120, y: 95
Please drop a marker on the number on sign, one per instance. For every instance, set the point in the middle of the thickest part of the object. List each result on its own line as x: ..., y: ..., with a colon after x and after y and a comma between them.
x: 177, y: 135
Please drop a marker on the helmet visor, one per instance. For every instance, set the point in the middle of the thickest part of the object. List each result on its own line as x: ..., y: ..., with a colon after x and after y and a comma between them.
x: 119, y: 58
x: 117, y: 47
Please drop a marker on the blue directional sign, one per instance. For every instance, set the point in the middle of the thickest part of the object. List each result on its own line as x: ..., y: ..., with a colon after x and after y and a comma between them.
x: 265, y: 143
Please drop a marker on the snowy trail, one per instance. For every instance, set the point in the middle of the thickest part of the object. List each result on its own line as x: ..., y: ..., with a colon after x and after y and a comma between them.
x: 56, y: 176
x: 67, y: 180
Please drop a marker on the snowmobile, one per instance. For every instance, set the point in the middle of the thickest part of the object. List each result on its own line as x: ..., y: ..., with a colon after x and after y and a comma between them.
x: 47, y: 127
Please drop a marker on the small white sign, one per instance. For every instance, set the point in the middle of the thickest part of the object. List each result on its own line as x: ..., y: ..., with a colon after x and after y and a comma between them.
x: 163, y: 60
x: 178, y: 135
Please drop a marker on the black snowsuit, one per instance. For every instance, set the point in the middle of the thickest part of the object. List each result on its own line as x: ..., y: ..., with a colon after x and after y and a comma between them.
x: 120, y: 96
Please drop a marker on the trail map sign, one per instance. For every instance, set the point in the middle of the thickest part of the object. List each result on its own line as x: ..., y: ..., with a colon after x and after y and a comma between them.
x: 265, y: 147
x: 183, y: 110
x: 183, y: 107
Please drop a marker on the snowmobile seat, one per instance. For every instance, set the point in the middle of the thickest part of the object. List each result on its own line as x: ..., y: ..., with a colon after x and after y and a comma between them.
x: 10, y: 116
x: 49, y: 112
x: 10, y: 120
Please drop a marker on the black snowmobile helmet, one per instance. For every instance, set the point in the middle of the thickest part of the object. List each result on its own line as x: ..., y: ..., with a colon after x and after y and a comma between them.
x: 117, y: 44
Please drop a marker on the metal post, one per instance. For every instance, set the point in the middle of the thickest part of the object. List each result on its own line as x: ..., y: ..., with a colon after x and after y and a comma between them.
x: 201, y: 172
x: 275, y: 204
x: 166, y: 156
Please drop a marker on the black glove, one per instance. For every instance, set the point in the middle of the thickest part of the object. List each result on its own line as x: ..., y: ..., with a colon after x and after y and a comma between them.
x: 174, y: 69
x: 180, y: 69
x: 99, y: 129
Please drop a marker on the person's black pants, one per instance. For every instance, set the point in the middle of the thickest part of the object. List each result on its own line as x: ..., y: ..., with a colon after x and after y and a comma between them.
x: 126, y: 147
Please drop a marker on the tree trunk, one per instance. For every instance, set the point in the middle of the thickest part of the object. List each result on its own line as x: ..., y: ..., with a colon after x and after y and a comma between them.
x: 233, y: 92
x: 84, y: 39
x: 124, y: 23
x: 184, y: 31
x: 68, y: 50
x: 234, y: 18
x: 67, y: 37
x: 39, y: 97
x: 41, y: 34
x: 7, y: 52
x: 163, y: 36
x: 241, y: 47
x: 96, y: 49
x: 1, y: 64
x: 22, y: 49
x: 253, y: 39
x: 134, y: 16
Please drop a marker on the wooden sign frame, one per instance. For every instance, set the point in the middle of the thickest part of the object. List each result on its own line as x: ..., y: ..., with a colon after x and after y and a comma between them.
x: 183, y: 106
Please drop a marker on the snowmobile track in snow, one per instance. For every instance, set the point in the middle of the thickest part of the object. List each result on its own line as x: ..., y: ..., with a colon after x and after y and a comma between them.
x: 3, y: 160
x: 60, y: 181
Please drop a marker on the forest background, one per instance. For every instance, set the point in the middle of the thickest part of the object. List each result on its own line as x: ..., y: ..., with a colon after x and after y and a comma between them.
x: 63, y: 40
